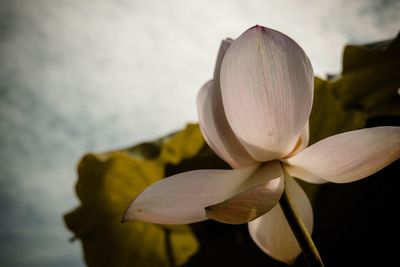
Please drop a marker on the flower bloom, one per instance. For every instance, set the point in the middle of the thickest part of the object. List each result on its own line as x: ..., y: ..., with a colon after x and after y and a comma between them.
x: 254, y: 114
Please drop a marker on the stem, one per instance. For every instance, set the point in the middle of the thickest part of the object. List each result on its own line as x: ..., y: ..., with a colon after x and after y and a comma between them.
x: 300, y: 231
x: 168, y: 245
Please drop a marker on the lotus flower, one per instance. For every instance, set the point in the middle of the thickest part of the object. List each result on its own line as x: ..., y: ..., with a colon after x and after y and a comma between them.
x: 254, y: 114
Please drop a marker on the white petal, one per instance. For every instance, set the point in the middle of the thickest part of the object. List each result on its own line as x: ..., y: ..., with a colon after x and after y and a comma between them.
x: 348, y: 156
x: 216, y: 130
x: 272, y: 233
x: 267, y: 90
x: 181, y: 198
x: 261, y: 193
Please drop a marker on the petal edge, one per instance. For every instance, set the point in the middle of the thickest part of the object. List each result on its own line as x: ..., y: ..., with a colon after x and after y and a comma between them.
x: 216, y: 130
x: 272, y: 233
x: 181, y: 198
x: 261, y: 193
x: 267, y: 90
x: 348, y: 156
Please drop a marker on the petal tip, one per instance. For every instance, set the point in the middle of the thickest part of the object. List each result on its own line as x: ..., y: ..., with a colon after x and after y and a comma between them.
x: 130, y: 213
x: 258, y: 27
x: 263, y: 29
x: 226, y: 42
x: 125, y: 218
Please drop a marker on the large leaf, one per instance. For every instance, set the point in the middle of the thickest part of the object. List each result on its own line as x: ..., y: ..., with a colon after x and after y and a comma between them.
x: 107, y: 184
x: 328, y: 117
x: 366, y: 89
x: 370, y: 78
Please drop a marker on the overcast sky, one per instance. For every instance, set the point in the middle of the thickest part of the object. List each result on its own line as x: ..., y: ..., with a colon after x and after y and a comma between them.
x: 79, y: 76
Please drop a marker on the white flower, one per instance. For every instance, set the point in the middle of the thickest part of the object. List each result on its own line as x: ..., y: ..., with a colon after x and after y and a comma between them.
x: 254, y: 115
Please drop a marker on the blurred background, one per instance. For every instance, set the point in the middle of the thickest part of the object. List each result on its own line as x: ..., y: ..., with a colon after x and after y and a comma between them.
x: 80, y: 76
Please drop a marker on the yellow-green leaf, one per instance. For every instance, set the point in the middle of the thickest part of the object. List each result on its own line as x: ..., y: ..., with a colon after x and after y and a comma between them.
x: 367, y: 88
x: 328, y: 117
x: 370, y: 79
x: 177, y: 147
x: 107, y: 184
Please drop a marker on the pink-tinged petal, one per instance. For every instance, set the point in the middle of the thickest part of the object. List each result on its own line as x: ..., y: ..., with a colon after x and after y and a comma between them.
x: 302, y: 142
x: 347, y: 157
x: 261, y: 193
x: 225, y: 44
x: 303, y: 174
x: 272, y: 233
x: 267, y: 89
x: 216, y: 130
x: 181, y: 199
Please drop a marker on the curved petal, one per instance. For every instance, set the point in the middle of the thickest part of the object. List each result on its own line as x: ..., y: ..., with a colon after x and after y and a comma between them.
x: 347, y: 157
x: 272, y: 233
x: 181, y: 198
x: 216, y: 130
x: 225, y: 44
x: 302, y: 142
x: 267, y: 89
x: 261, y: 193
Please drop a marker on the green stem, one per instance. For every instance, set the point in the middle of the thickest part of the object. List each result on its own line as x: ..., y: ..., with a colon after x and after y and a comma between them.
x: 303, y: 237
x: 168, y: 246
